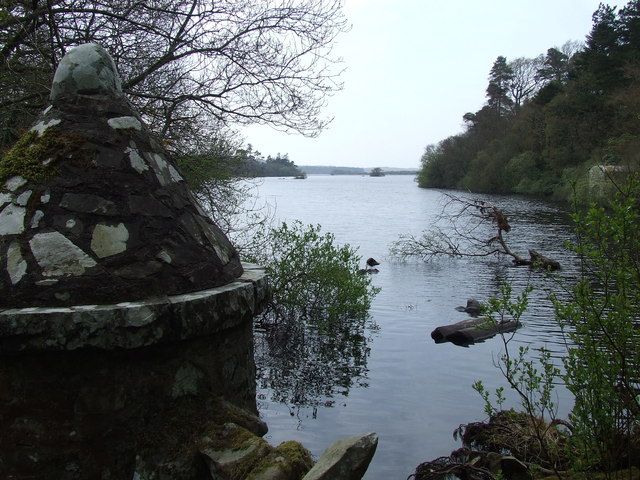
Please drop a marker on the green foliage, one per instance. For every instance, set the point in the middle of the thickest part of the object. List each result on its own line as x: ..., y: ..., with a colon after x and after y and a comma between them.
x: 219, y: 160
x: 34, y: 156
x: 532, y: 380
x: 601, y: 320
x: 498, y: 90
x: 312, y: 277
x: 602, y: 361
x: 582, y: 103
x: 254, y: 165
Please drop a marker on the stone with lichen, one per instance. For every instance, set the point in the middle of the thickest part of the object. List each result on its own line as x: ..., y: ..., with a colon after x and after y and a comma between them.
x: 98, y: 205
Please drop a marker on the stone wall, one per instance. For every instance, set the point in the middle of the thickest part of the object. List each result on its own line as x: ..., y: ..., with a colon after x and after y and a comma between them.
x: 82, y: 396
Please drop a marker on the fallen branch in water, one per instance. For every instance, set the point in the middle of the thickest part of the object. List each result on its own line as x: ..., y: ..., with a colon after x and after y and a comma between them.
x: 474, y: 228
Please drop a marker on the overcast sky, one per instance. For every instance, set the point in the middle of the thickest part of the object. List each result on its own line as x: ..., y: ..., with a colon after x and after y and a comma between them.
x: 414, y: 67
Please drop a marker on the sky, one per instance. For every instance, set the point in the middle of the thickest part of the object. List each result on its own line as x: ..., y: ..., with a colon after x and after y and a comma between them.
x: 413, y: 68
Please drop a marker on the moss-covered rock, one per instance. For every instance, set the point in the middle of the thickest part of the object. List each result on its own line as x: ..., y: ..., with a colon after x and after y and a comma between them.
x: 34, y: 155
x: 228, y: 412
x: 288, y: 461
x: 231, y: 452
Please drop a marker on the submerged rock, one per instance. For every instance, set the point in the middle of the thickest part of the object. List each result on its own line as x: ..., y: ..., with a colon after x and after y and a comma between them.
x: 473, y: 308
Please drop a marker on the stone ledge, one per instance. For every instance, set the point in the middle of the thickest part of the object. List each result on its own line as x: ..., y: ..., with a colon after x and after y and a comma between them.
x: 137, y: 324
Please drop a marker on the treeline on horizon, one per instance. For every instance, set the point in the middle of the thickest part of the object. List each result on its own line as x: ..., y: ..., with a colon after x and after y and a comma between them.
x: 225, y: 161
x: 548, y: 119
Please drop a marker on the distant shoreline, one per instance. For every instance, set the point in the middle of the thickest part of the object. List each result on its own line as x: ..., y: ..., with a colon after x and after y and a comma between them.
x: 331, y: 170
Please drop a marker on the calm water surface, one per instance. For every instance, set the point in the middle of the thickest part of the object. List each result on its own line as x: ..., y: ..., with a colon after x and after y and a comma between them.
x: 390, y: 377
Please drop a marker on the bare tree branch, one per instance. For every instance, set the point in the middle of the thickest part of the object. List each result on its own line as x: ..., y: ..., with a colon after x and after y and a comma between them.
x: 466, y: 228
x: 227, y: 62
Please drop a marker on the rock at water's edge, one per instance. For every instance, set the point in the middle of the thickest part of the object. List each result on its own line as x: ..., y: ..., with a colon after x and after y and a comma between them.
x: 346, y: 459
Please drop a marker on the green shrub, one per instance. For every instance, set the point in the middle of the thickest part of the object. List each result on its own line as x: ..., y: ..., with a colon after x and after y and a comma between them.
x: 311, y: 276
x: 602, y: 320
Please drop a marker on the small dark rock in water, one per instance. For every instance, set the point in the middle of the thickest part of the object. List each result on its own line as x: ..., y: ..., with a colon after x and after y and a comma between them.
x: 371, y: 262
x: 545, y: 263
x: 473, y: 307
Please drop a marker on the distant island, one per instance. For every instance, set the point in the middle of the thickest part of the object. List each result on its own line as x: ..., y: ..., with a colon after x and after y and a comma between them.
x: 333, y: 170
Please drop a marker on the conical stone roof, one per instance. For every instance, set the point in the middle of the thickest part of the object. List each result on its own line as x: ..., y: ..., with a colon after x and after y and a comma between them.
x: 92, y: 208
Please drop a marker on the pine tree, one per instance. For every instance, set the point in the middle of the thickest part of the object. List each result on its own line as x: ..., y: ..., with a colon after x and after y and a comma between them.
x: 500, y: 78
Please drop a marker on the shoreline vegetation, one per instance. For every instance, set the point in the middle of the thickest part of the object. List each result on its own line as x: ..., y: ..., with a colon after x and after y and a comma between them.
x: 563, y: 126
x: 600, y: 363
x: 549, y: 120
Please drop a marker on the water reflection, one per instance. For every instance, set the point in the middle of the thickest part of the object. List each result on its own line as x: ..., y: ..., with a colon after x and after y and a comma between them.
x: 308, y: 362
x: 416, y: 391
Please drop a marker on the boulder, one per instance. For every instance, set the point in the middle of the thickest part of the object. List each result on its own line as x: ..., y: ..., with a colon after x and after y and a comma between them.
x: 231, y: 452
x: 473, y: 307
x: 288, y: 461
x: 346, y: 459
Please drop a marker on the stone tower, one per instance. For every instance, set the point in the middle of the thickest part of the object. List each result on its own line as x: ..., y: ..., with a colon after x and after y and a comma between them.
x: 126, y: 317
x: 92, y: 208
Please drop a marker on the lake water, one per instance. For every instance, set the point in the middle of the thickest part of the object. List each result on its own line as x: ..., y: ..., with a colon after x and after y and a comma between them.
x: 393, y: 379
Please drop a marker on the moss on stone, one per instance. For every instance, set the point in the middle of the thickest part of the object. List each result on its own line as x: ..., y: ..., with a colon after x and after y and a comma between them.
x: 28, y: 156
x: 221, y: 443
x: 226, y: 412
x: 238, y: 438
x: 296, y: 454
x: 290, y: 458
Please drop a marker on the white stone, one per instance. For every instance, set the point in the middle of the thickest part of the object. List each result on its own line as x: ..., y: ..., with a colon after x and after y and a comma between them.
x: 137, y: 162
x: 70, y: 223
x: 42, y: 126
x: 124, y: 123
x: 45, y: 197
x: 23, y: 198
x: 35, y: 220
x: 46, y: 110
x: 5, y: 198
x: 86, y: 69
x: 108, y: 240
x: 164, y: 256
x: 12, y: 220
x: 14, y: 183
x: 16, y: 264
x: 84, y: 308
x: 47, y: 282
x: 160, y: 168
x: 58, y: 256
x: 139, y: 315
x: 175, y: 176
x: 165, y: 172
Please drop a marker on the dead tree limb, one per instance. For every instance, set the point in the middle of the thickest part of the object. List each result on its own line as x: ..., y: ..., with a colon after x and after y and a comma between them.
x: 467, y: 228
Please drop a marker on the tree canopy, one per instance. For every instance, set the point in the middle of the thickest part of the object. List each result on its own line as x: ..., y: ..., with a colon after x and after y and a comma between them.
x: 548, y: 119
x: 189, y: 66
